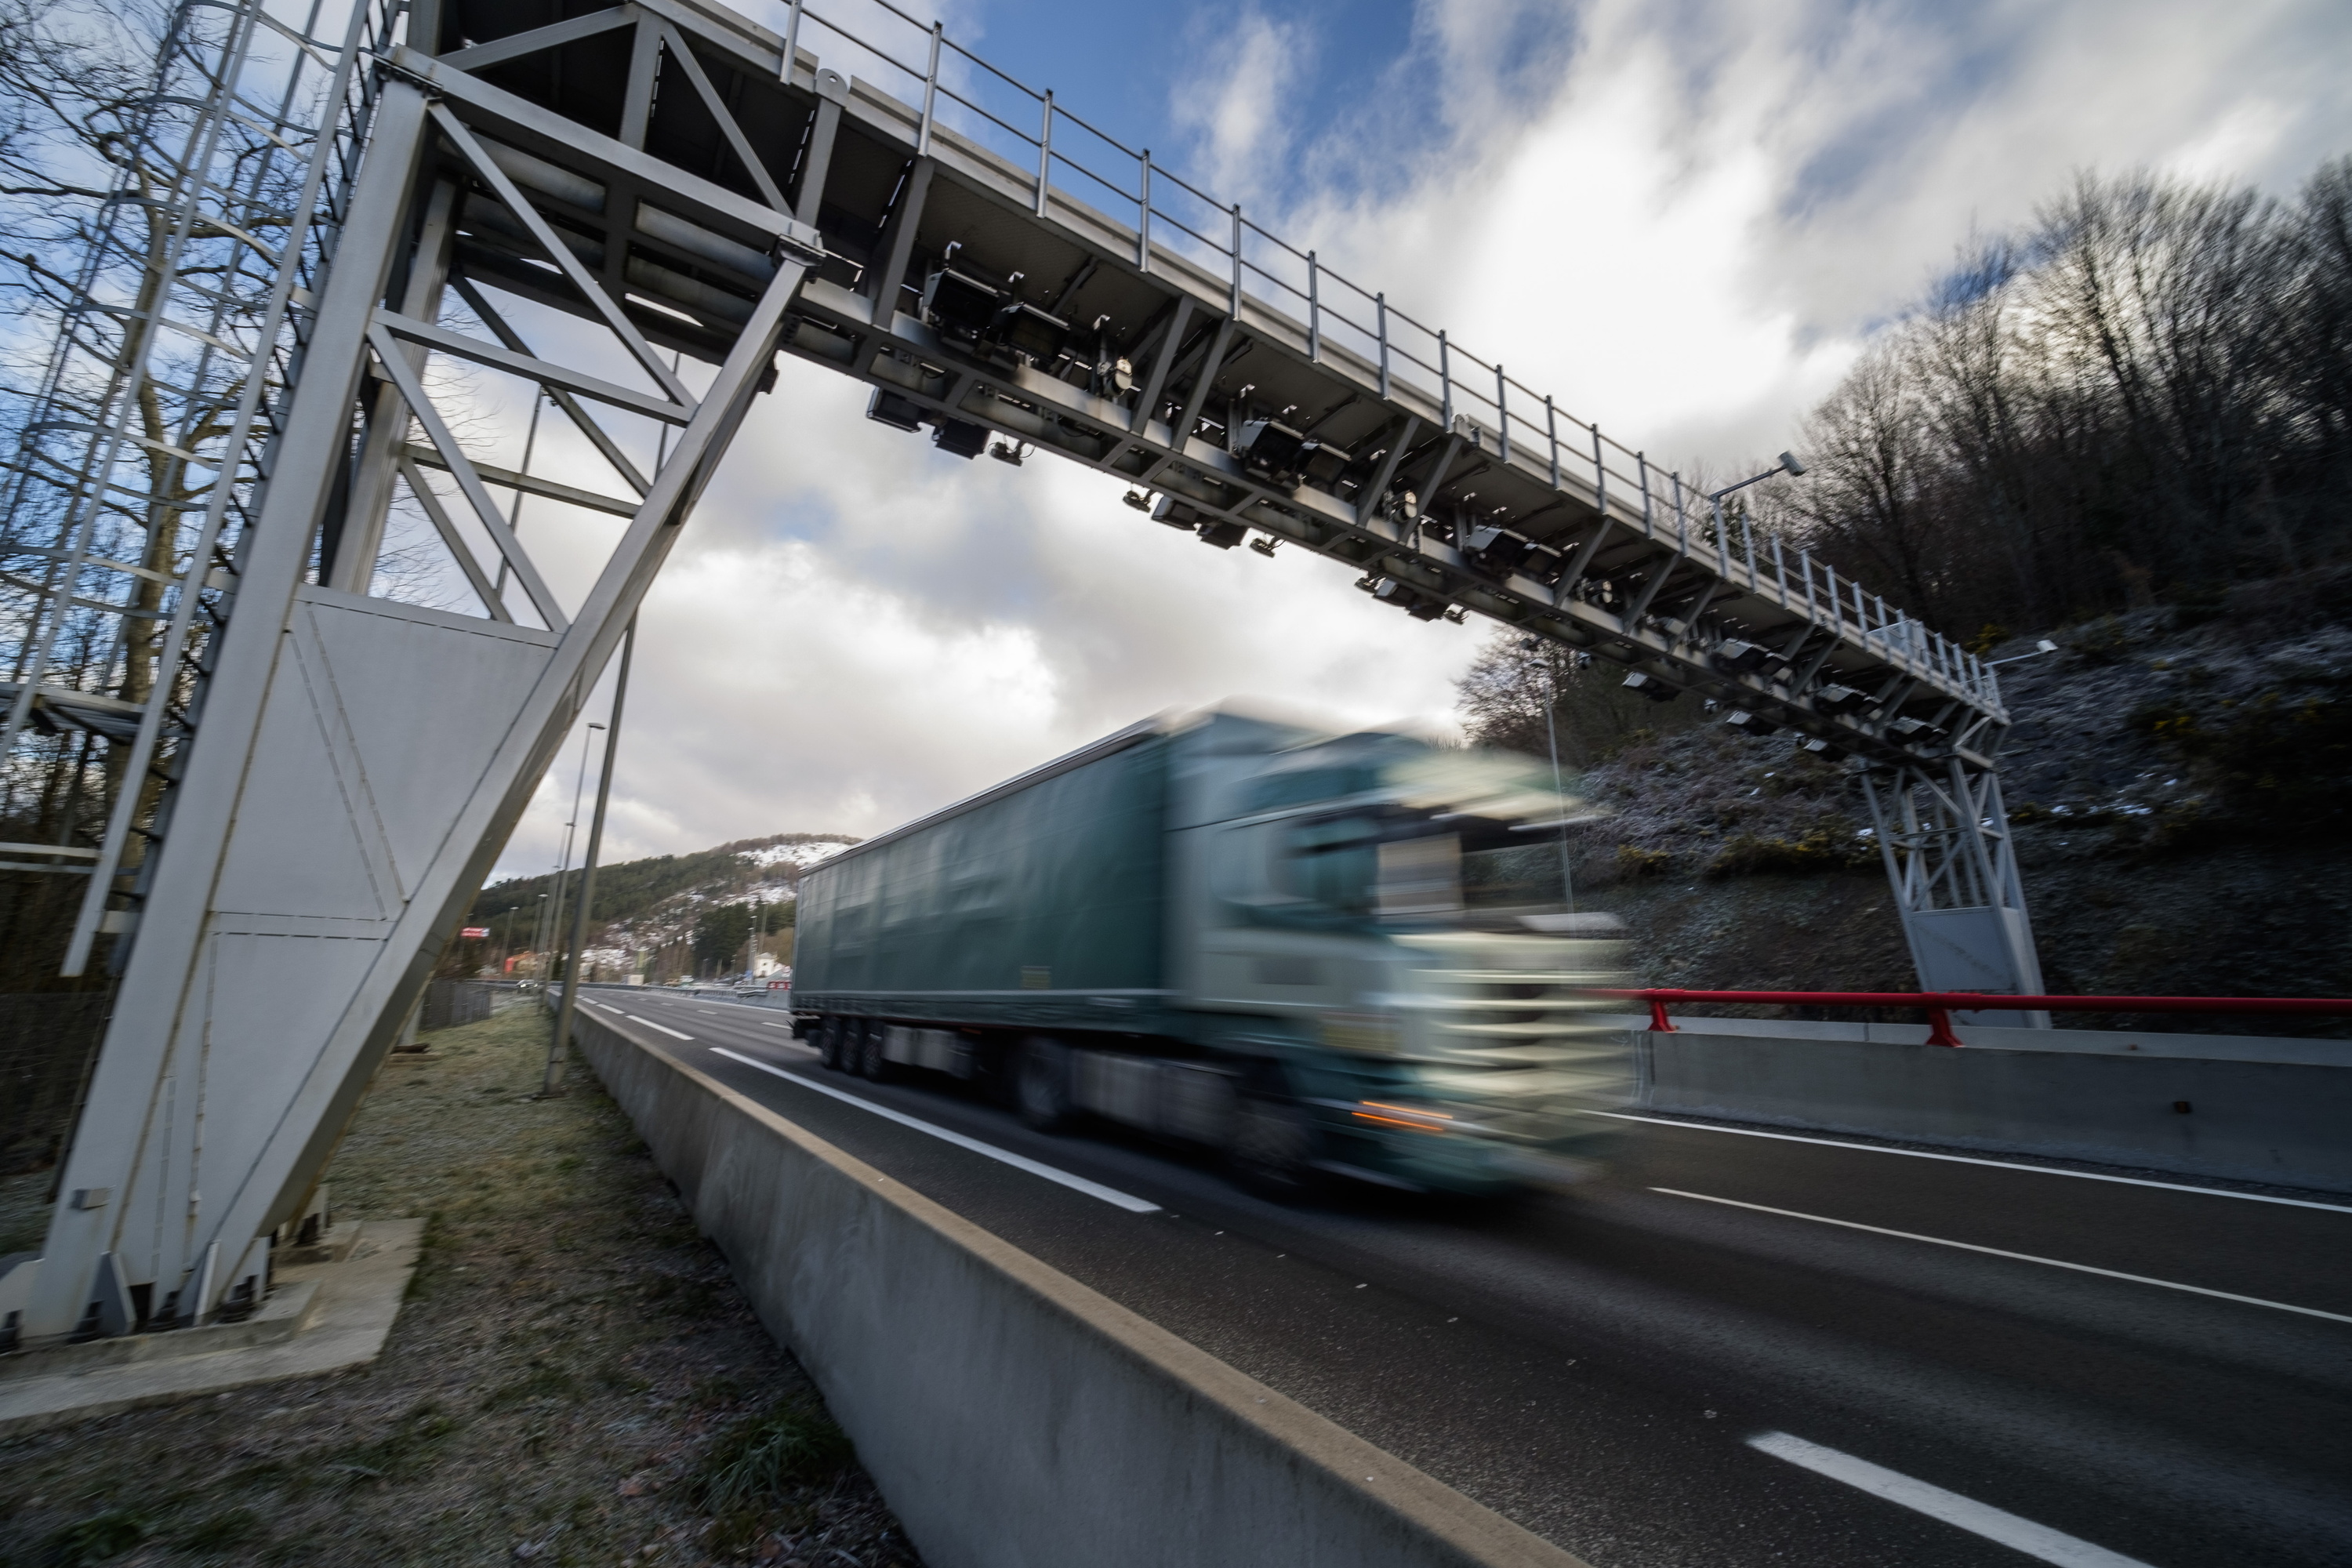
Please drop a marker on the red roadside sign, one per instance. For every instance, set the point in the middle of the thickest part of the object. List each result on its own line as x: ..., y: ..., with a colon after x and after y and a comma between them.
x: 475, y: 934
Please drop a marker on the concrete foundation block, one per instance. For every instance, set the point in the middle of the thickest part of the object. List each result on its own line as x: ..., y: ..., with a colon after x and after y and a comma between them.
x: 323, y: 1316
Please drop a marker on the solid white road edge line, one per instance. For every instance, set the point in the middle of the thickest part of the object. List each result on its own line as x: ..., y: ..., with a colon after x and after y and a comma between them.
x: 2019, y: 1257
x: 664, y: 1028
x: 2037, y: 1540
x: 1967, y: 1160
x: 1127, y: 1201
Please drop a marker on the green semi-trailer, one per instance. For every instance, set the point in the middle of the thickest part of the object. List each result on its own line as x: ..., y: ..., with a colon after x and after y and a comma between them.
x: 1319, y: 954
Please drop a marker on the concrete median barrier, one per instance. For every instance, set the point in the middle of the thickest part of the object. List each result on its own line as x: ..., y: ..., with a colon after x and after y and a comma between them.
x: 2236, y: 1107
x: 1010, y: 1415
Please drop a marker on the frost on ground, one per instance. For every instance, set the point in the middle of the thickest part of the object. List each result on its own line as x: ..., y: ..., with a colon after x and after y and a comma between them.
x: 2179, y: 786
x: 573, y: 1379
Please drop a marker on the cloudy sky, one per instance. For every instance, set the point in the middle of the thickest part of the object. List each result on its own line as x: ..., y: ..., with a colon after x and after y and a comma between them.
x: 1683, y: 218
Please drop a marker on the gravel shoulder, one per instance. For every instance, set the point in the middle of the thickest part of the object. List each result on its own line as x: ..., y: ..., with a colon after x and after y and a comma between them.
x: 574, y: 1378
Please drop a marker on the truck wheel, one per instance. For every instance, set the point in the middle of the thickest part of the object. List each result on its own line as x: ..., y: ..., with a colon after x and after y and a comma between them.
x: 1041, y: 1086
x: 1275, y: 1146
x: 828, y: 1043
x: 872, y: 1064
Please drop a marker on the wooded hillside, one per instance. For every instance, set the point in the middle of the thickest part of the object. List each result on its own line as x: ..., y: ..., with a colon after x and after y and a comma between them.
x: 2144, y: 397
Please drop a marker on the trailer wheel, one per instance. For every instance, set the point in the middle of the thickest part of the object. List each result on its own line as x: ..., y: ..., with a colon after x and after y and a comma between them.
x: 1040, y: 1085
x: 828, y: 1043
x: 1275, y: 1145
x: 872, y: 1064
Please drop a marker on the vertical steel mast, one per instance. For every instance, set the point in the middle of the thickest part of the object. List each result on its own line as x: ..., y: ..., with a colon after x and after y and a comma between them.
x: 145, y: 464
x: 366, y: 747
x: 1944, y: 834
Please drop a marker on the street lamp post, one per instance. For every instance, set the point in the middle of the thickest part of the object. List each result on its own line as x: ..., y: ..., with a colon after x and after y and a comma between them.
x: 1787, y: 464
x: 1559, y: 786
x: 564, y: 860
x: 1722, y: 540
x: 553, y: 1082
x: 2043, y: 647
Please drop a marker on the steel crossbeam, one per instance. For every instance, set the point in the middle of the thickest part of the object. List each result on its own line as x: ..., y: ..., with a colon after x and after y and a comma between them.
x: 685, y: 186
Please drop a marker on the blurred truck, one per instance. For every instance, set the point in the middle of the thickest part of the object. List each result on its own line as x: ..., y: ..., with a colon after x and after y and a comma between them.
x: 1321, y: 954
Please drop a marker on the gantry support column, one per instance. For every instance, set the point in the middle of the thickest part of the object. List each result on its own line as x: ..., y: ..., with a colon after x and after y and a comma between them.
x: 130, y: 1188
x: 362, y: 761
x: 1945, y: 839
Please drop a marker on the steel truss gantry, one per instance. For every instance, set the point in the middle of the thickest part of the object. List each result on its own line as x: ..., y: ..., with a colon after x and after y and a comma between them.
x: 696, y: 196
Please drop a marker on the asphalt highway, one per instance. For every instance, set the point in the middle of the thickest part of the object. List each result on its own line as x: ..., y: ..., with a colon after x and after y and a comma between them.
x: 1737, y: 1349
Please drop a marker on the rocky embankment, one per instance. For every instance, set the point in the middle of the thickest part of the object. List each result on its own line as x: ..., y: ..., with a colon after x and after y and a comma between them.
x: 2180, y: 787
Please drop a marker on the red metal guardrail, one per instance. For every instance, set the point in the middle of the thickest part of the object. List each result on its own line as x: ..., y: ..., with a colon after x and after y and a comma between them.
x: 1939, y: 1005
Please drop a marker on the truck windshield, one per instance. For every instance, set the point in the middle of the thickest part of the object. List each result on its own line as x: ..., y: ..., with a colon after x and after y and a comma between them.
x: 1332, y: 862
x: 1434, y: 837
x: 1357, y: 868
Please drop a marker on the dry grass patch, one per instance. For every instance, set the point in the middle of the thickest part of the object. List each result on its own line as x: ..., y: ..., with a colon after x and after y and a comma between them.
x: 573, y: 1379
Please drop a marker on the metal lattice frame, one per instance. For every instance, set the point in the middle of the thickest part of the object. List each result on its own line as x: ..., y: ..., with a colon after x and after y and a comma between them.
x: 1945, y: 838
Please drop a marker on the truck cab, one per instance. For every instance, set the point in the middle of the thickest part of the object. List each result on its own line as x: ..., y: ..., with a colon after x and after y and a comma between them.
x: 1375, y: 924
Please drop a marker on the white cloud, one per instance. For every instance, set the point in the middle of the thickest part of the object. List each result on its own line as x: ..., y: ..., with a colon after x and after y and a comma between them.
x: 1233, y: 100
x: 1687, y: 239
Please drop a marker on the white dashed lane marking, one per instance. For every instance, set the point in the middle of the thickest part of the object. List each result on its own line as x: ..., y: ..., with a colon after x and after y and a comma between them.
x: 2019, y: 1257
x: 2037, y: 1540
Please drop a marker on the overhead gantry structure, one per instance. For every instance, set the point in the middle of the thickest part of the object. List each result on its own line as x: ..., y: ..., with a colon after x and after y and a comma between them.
x: 633, y: 213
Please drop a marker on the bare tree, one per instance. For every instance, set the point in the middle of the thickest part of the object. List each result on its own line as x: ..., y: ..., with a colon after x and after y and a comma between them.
x: 133, y: 293
x: 1506, y: 688
x: 1870, y: 490
x: 2142, y: 396
x: 2320, y: 351
x: 74, y: 90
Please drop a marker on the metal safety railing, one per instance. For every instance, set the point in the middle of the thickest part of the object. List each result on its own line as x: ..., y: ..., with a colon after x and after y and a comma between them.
x: 1939, y: 1005
x: 1029, y: 128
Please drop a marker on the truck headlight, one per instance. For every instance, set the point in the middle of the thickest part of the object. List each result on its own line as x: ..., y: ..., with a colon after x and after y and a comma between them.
x: 1412, y: 1118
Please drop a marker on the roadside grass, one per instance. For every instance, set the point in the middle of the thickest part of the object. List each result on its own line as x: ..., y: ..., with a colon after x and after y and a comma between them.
x: 761, y: 1457
x: 23, y: 1211
x: 573, y: 1377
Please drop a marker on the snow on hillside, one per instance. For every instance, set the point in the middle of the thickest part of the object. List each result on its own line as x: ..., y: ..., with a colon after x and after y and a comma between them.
x: 750, y: 870
x: 799, y: 851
